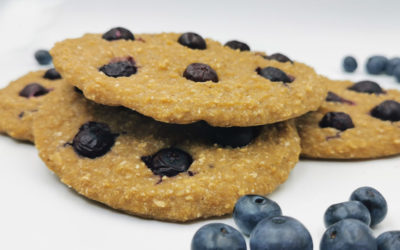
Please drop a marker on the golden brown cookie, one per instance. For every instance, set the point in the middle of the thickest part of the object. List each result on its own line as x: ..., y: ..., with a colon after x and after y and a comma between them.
x: 181, y: 78
x: 163, y: 171
x: 20, y: 100
x: 356, y: 121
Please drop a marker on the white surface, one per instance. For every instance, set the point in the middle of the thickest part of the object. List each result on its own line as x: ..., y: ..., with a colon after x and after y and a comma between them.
x: 39, y: 212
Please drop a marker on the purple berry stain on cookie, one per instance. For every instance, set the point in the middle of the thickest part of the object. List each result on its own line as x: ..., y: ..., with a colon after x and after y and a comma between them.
x: 199, y: 72
x: 117, y: 34
x: 337, y: 135
x: 33, y: 90
x: 93, y: 140
x: 278, y: 57
x: 338, y: 120
x: 192, y: 40
x: 52, y: 74
x: 234, y: 136
x: 168, y: 162
x: 388, y: 110
x: 369, y: 87
x: 274, y: 74
x: 234, y: 44
x: 119, y: 67
x: 332, y: 97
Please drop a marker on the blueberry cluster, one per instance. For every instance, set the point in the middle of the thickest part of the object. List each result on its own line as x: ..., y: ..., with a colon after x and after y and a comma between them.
x: 376, y: 65
x: 262, y: 220
x: 348, y: 226
x: 348, y: 223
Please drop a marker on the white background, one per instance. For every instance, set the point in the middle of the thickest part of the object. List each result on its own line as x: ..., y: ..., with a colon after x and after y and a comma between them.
x: 39, y: 212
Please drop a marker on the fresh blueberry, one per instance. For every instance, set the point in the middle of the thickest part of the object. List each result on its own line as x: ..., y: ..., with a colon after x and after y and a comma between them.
x: 389, y: 240
x: 280, y: 232
x: 251, y: 209
x: 392, y: 64
x: 347, y: 210
x: 43, y: 57
x: 218, y: 236
x: 396, y: 73
x: 376, y: 64
x: 349, y: 64
x: 373, y: 200
x: 348, y: 234
x: 234, y: 44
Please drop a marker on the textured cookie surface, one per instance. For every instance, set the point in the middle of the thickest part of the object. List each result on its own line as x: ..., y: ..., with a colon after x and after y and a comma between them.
x: 19, y: 102
x: 157, y: 88
x: 350, y: 126
x: 120, y: 178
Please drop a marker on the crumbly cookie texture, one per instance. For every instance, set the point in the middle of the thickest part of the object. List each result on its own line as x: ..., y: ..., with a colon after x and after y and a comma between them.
x: 159, y: 89
x: 216, y: 178
x: 17, y: 108
x: 364, y: 136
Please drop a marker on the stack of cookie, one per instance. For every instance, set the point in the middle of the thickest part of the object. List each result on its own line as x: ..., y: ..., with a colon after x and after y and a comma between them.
x: 172, y: 126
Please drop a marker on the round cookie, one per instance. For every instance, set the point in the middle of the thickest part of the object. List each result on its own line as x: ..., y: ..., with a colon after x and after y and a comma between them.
x: 154, y: 76
x: 20, y: 100
x: 356, y: 121
x: 163, y: 171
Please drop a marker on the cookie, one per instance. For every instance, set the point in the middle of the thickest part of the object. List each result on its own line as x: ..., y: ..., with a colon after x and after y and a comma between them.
x: 163, y: 171
x: 20, y: 100
x: 183, y: 78
x: 356, y: 121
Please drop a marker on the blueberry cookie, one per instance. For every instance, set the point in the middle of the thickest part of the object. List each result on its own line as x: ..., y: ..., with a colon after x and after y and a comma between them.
x: 356, y: 121
x: 20, y: 100
x: 183, y: 78
x: 163, y: 171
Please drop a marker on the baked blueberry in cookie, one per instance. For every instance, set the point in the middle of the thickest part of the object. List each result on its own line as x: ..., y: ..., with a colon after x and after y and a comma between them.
x: 52, y: 74
x: 192, y: 40
x: 33, y: 90
x: 388, y: 110
x: 93, y: 140
x: 200, y: 72
x: 338, y: 120
x: 274, y: 74
x: 168, y: 161
x: 119, y: 68
x: 332, y: 97
x: 369, y: 87
x: 278, y: 57
x: 117, y: 34
x: 234, y: 44
x: 234, y: 136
